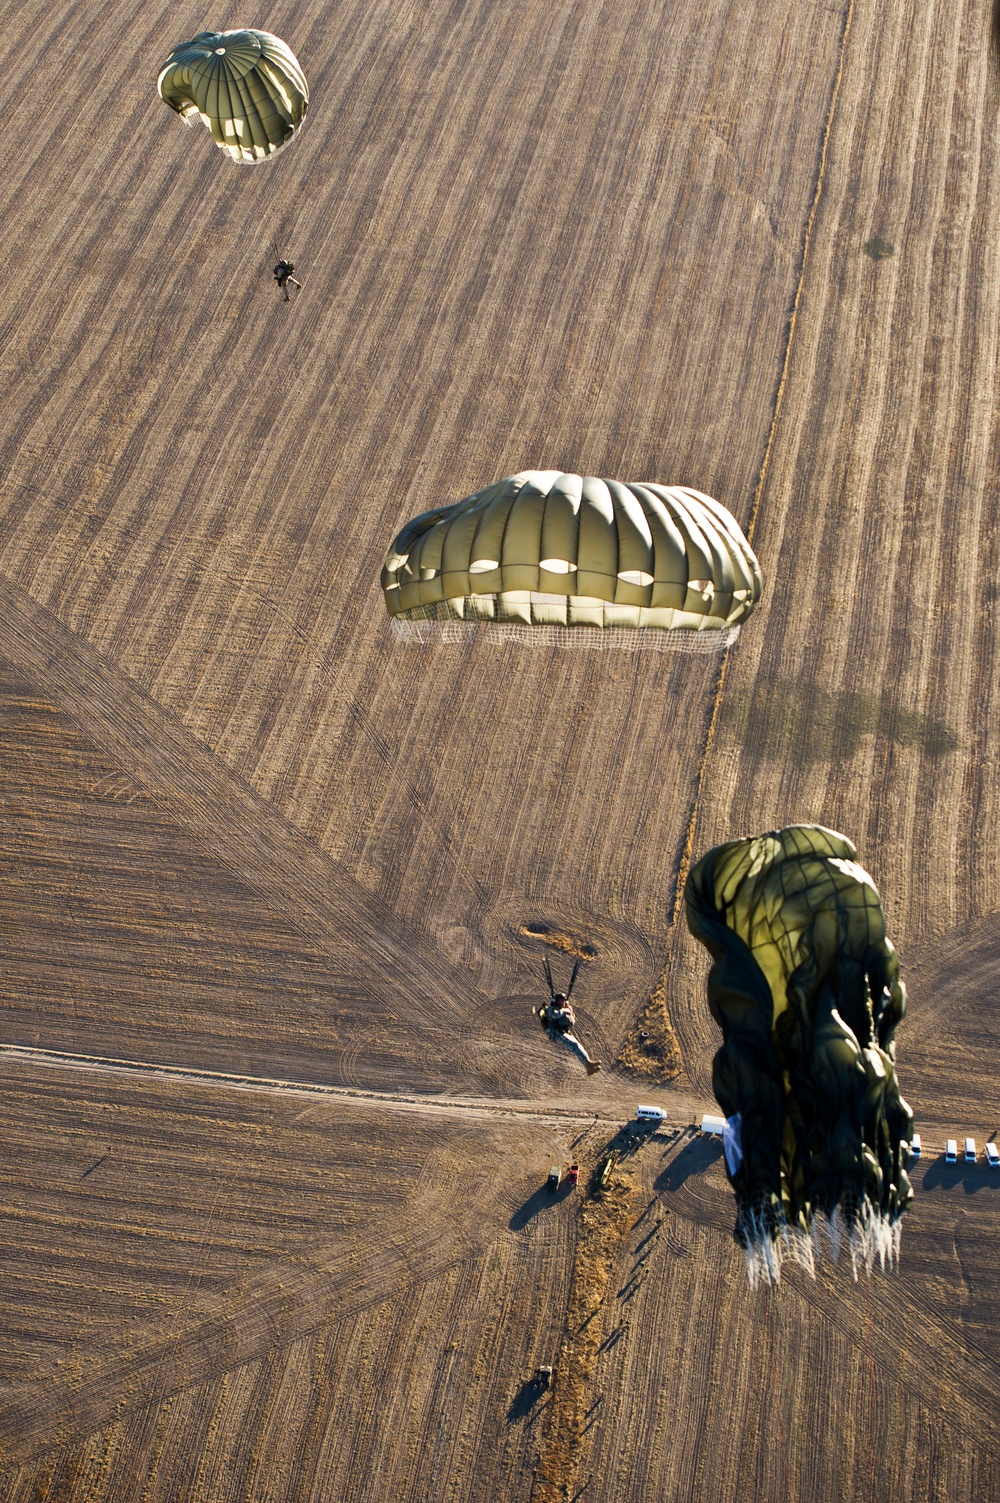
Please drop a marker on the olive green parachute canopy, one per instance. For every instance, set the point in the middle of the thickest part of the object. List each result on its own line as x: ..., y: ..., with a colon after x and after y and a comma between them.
x: 549, y: 549
x: 806, y: 990
x: 245, y: 86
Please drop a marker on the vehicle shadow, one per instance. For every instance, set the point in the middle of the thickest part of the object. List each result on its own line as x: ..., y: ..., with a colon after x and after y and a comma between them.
x: 971, y: 1177
x: 697, y: 1156
x: 525, y: 1400
x: 543, y: 1199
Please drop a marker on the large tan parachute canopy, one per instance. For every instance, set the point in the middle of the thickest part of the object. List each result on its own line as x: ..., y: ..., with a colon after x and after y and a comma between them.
x: 806, y: 990
x: 245, y: 86
x: 546, y: 548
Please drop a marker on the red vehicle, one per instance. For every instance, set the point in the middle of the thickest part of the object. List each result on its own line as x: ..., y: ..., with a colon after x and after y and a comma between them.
x: 574, y: 1174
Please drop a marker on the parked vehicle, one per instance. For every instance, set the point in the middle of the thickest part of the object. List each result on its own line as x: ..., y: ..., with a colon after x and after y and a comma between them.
x: 650, y: 1113
x: 951, y: 1151
x: 993, y: 1156
x: 555, y: 1178
x: 970, y: 1150
x: 915, y: 1146
x: 574, y: 1174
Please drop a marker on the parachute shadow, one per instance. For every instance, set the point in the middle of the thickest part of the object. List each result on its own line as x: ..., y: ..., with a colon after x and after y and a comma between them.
x: 971, y: 1177
x: 542, y: 1199
x: 697, y: 1156
x: 823, y: 724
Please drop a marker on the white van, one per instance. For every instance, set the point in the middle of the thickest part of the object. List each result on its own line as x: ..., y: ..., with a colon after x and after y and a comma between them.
x: 650, y: 1113
x: 970, y: 1150
x: 992, y: 1156
x: 951, y: 1151
x: 915, y: 1146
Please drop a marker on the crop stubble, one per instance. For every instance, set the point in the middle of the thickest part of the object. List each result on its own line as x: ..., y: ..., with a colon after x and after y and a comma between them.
x: 540, y: 235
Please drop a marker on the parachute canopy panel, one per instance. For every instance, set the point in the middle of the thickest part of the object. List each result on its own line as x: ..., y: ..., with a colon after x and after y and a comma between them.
x: 805, y: 987
x: 545, y: 548
x: 245, y: 86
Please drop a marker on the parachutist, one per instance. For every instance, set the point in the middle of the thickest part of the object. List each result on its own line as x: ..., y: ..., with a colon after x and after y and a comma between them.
x: 283, y: 275
x: 558, y: 1017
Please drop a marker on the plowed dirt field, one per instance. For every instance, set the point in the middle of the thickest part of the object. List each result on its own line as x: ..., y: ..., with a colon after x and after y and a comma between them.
x: 275, y: 890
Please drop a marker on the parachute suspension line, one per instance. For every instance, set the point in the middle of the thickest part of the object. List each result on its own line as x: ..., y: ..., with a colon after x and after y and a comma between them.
x: 871, y: 1380
x: 768, y: 1241
x: 720, y: 682
x: 803, y: 264
x: 428, y: 632
x: 687, y: 850
x: 775, y: 1401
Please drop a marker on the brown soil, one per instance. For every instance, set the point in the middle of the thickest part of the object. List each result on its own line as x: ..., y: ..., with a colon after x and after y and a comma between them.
x: 556, y: 939
x: 606, y: 1216
x: 245, y: 832
x: 651, y: 1050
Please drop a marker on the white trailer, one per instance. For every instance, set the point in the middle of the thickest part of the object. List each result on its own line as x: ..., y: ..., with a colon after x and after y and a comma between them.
x: 716, y: 1125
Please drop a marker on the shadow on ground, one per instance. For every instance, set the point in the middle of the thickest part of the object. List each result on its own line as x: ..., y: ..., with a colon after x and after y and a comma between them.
x: 822, y: 724
x: 543, y: 1199
x: 971, y: 1178
x: 700, y: 1154
x: 525, y: 1401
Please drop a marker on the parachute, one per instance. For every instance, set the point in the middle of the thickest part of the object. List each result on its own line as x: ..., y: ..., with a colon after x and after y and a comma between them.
x: 543, y: 549
x: 246, y: 87
x: 806, y: 989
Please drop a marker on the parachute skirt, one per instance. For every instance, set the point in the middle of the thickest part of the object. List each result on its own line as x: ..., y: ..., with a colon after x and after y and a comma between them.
x: 870, y: 1236
x: 452, y: 632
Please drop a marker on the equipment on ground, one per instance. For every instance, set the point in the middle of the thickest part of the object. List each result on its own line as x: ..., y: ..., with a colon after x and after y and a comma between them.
x: 545, y: 548
x: 543, y: 1377
x: 805, y: 987
x: 607, y: 1169
x: 246, y: 87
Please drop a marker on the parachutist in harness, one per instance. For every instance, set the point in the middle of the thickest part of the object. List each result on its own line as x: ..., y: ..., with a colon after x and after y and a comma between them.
x: 558, y: 1018
x: 283, y: 275
x: 283, y: 272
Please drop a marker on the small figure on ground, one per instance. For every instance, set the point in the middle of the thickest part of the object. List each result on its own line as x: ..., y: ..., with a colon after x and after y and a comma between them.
x: 283, y: 276
x: 558, y: 1017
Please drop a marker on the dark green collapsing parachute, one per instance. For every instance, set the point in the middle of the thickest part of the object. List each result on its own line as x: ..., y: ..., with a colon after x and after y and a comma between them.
x: 806, y: 990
